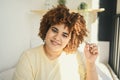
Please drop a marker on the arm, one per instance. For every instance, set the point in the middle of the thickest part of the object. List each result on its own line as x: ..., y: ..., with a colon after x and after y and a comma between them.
x: 91, y: 72
x: 91, y: 52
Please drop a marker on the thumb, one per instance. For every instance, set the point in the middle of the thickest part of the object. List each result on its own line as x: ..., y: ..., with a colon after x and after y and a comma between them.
x: 86, y: 49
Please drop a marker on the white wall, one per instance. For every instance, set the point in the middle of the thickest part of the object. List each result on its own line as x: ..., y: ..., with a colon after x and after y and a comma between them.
x: 118, y: 6
x: 14, y: 32
x: 19, y: 27
x: 15, y: 29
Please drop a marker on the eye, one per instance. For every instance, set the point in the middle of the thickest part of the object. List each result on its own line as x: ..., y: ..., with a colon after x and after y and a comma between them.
x: 65, y: 35
x: 54, y: 29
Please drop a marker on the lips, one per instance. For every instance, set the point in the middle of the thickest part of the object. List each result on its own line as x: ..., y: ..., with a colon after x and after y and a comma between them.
x: 55, y: 43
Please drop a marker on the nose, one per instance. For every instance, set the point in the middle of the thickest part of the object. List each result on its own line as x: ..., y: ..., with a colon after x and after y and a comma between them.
x: 57, y: 36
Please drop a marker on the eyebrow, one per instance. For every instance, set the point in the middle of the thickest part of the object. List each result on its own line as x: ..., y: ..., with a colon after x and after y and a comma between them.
x: 57, y: 29
x: 54, y: 27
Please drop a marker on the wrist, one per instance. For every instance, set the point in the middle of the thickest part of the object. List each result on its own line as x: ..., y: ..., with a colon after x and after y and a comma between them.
x: 90, y: 63
x: 90, y: 66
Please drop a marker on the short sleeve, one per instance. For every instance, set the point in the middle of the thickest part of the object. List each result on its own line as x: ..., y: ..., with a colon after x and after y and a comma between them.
x: 23, y: 69
x: 82, y: 69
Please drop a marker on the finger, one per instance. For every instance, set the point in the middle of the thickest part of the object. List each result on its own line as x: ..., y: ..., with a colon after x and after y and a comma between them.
x: 95, y: 52
x: 87, y: 46
x: 92, y: 45
x: 91, y: 48
x: 94, y: 49
x: 86, y: 50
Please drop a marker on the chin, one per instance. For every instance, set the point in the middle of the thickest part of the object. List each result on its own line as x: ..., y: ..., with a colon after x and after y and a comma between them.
x: 55, y: 49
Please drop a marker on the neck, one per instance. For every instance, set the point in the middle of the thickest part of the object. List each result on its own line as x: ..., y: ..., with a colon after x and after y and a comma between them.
x: 51, y: 54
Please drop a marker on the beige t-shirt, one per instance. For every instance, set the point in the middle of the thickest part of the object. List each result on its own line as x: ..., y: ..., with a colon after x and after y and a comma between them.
x: 35, y: 65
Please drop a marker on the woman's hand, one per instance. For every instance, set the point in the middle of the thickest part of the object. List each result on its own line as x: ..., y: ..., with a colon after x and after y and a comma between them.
x: 91, y: 52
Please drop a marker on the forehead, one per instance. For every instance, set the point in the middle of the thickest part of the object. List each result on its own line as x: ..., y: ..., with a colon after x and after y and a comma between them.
x: 61, y: 27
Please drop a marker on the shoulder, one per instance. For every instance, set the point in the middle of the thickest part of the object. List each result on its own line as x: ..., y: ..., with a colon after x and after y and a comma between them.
x: 35, y: 49
x: 30, y: 57
x: 32, y: 53
x: 29, y: 62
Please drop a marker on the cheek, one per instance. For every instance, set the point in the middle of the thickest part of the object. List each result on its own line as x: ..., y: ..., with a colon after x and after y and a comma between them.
x: 49, y: 35
x: 65, y: 42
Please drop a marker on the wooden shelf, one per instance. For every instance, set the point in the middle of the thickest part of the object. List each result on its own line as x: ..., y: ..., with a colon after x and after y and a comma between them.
x: 93, y: 10
x: 41, y: 12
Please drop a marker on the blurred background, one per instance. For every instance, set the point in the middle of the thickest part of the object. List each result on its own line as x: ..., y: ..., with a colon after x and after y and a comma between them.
x: 20, y: 22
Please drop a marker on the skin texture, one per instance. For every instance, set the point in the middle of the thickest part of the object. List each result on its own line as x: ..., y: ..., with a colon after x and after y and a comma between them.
x: 56, y: 39
x: 91, y: 53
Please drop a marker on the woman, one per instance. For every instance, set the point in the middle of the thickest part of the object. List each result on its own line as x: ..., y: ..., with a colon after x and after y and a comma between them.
x: 58, y: 58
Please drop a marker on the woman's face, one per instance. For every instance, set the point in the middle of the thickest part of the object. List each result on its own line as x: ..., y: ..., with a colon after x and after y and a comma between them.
x: 57, y: 37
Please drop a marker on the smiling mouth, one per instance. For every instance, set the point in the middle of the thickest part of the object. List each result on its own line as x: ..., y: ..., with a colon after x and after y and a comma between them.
x: 55, y: 43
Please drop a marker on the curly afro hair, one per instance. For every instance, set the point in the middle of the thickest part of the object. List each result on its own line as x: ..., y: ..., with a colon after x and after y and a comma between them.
x: 74, y: 21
